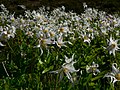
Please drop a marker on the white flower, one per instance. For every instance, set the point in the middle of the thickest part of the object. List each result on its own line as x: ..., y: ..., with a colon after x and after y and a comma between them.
x: 68, y: 60
x: 9, y: 31
x: 67, y: 68
x: 60, y: 41
x: 86, y: 38
x: 113, y: 46
x: 22, y: 6
x: 93, y: 68
x: 44, y: 42
x: 115, y: 74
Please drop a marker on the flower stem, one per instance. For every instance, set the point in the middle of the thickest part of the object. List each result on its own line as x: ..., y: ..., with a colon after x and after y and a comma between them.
x: 5, y: 69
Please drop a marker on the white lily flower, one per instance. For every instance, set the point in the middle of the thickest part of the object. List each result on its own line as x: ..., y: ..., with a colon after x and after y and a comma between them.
x: 115, y: 74
x: 68, y: 60
x: 44, y: 42
x: 113, y: 46
x: 60, y: 41
x: 22, y: 6
x: 93, y: 68
x: 67, y: 68
x: 86, y: 38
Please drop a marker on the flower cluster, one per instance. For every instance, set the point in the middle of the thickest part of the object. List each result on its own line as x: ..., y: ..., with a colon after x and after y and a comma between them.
x: 61, y: 32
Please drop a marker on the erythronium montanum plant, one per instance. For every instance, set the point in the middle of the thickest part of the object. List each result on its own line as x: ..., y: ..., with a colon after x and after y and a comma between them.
x: 67, y: 68
x: 113, y: 46
x: 34, y: 44
x: 115, y: 74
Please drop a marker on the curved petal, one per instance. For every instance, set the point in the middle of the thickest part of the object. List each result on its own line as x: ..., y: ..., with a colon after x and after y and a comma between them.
x: 114, y: 68
x: 69, y: 76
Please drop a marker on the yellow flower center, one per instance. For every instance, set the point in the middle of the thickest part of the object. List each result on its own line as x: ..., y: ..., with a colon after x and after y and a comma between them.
x: 113, y: 45
x: 45, y: 20
x: 52, y: 34
x: 90, y: 30
x: 93, y: 69
x: 86, y: 38
x: 22, y: 21
x: 45, y: 30
x: 62, y: 30
x: 43, y: 41
x: 12, y: 19
x: 59, y: 43
x: 117, y: 76
x: 65, y: 70
x: 29, y: 33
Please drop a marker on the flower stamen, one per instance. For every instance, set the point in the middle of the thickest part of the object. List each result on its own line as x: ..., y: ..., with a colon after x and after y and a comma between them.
x: 117, y: 76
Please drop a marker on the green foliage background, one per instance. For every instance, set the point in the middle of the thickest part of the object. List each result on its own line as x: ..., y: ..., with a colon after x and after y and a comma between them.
x: 30, y: 70
x: 110, y: 6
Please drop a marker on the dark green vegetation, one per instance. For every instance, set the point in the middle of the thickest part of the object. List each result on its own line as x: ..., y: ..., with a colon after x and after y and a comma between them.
x: 35, y: 45
x: 110, y: 6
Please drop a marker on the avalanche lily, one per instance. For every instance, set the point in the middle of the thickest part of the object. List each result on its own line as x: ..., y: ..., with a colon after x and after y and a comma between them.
x: 67, y: 68
x: 86, y: 38
x: 113, y: 46
x: 93, y: 68
x: 115, y: 74
x: 60, y: 41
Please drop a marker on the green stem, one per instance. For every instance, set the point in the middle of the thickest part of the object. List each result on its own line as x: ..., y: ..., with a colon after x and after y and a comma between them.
x: 5, y: 69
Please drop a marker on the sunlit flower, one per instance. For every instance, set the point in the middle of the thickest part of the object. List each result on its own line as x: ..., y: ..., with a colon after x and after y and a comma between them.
x: 29, y: 33
x: 64, y: 30
x: 67, y: 68
x: 115, y: 74
x: 22, y: 6
x: 86, y: 38
x: 12, y: 18
x: 93, y: 68
x: 60, y: 41
x: 113, y: 46
x: 68, y: 60
x: 45, y: 42
x: 7, y: 33
x: 51, y: 34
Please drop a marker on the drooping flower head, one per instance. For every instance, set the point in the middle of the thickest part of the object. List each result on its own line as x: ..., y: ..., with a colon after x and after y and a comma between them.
x: 115, y: 74
x: 67, y: 68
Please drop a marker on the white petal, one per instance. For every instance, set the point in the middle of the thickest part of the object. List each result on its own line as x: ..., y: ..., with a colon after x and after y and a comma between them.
x: 69, y: 76
x: 114, y: 68
x: 1, y: 44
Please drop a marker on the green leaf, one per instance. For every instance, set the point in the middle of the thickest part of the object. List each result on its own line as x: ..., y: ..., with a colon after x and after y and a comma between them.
x: 91, y: 84
x: 87, y: 79
x: 95, y: 78
x: 47, y: 69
